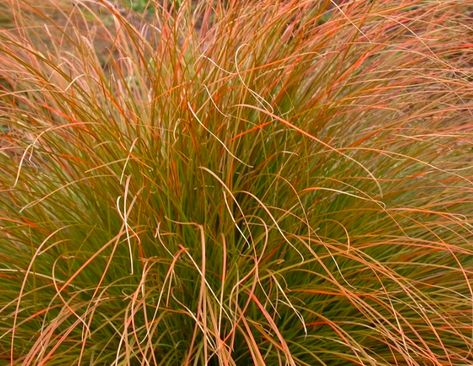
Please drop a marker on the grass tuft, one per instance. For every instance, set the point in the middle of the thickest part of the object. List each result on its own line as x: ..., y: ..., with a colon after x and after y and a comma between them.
x: 236, y: 182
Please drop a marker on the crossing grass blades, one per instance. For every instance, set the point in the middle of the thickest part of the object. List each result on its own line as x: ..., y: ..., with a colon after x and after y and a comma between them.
x: 236, y: 183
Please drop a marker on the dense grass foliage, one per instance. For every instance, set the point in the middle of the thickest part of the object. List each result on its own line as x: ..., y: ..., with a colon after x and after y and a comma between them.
x: 236, y: 183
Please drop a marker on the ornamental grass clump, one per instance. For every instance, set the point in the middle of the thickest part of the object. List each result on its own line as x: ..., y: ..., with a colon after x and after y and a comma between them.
x: 236, y: 183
